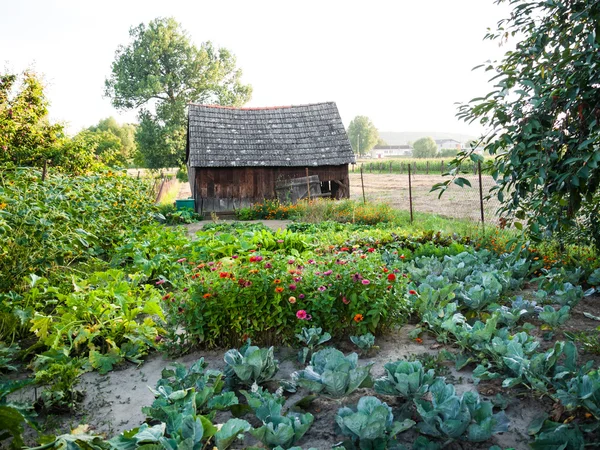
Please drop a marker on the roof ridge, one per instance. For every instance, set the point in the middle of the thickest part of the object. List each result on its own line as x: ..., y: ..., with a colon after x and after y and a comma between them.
x: 257, y: 108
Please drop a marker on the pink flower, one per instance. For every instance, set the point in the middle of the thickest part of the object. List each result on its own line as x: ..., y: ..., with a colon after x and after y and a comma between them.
x: 329, y: 272
x: 311, y: 261
x: 291, y: 261
x: 259, y: 258
x: 345, y: 300
x: 280, y: 241
x: 301, y: 314
x: 268, y: 265
x: 180, y: 260
x: 301, y: 296
x: 365, y: 281
x: 292, y: 300
x: 322, y: 288
x: 235, y: 256
x: 297, y: 279
x: 159, y: 282
x: 292, y: 287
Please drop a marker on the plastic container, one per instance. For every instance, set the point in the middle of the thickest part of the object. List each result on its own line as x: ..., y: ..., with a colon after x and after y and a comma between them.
x: 187, y: 203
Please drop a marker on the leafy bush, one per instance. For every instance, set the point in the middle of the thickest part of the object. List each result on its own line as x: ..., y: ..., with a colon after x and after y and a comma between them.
x: 364, y: 342
x: 250, y: 365
x: 405, y: 379
x: 371, y: 426
x: 332, y: 373
x: 553, y: 317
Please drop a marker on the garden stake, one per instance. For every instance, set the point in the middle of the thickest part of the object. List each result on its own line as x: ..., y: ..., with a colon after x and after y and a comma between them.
x: 307, y: 185
x: 409, y: 194
x: 481, y: 195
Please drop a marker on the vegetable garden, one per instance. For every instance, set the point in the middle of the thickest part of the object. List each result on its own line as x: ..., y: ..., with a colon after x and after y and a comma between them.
x: 324, y: 334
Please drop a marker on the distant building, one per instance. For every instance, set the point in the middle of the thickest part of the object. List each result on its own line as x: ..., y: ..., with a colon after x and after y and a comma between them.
x: 443, y: 144
x: 387, y: 151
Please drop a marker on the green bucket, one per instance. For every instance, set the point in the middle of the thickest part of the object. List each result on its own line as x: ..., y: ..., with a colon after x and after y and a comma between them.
x: 188, y: 203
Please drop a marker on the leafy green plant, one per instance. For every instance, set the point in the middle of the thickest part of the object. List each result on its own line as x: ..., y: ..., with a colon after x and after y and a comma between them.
x: 550, y: 434
x: 553, y: 317
x: 13, y: 416
x: 371, y: 425
x: 173, y: 391
x: 58, y: 373
x: 278, y: 429
x: 582, y: 390
x: 451, y: 417
x: 332, y: 373
x: 405, y: 379
x: 8, y: 353
x: 250, y: 364
x: 365, y: 342
x: 311, y: 338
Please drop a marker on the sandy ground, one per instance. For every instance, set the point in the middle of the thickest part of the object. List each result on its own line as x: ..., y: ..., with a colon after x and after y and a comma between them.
x: 113, y: 402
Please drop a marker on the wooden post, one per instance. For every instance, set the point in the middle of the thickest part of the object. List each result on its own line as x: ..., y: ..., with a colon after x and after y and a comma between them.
x: 362, y: 182
x: 410, y: 195
x: 307, y: 185
x: 427, y: 169
x: 45, y: 170
x: 481, y: 196
x: 442, y: 168
x: 390, y: 166
x: 138, y: 175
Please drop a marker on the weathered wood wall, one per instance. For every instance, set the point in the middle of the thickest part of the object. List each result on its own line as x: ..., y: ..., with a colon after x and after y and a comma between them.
x: 222, y: 189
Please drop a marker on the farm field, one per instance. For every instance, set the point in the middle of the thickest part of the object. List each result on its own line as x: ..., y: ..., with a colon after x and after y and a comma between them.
x: 424, y: 339
x: 457, y: 202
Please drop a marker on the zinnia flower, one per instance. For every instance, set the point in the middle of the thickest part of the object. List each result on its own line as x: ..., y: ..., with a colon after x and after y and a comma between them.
x: 322, y: 288
x: 279, y: 289
x: 253, y: 259
x: 301, y: 314
x: 292, y: 287
x: 259, y: 258
x: 301, y: 296
x: 181, y: 260
x: 402, y: 256
x: 345, y: 300
x: 207, y: 295
x: 391, y: 277
x: 276, y: 281
x: 291, y: 261
x: 268, y: 265
x: 371, y: 250
x: 159, y: 282
x: 223, y: 275
x: 365, y: 282
x: 412, y: 292
x: 358, y: 318
x: 292, y: 300
x: 329, y: 272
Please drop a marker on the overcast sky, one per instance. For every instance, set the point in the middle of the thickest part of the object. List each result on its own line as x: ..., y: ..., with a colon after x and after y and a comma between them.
x: 402, y: 63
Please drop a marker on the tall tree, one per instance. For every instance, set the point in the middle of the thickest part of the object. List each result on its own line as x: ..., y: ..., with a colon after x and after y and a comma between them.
x: 544, y: 116
x: 362, y: 134
x: 124, y: 132
x: 424, y: 148
x: 161, y: 71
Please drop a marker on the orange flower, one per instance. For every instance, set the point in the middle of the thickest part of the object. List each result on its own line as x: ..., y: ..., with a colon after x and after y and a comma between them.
x: 276, y: 281
x: 279, y: 290
x: 418, y: 340
x: 358, y: 318
x: 207, y: 296
x: 223, y: 275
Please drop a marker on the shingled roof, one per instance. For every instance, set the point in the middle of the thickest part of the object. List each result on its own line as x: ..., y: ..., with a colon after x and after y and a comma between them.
x: 304, y: 135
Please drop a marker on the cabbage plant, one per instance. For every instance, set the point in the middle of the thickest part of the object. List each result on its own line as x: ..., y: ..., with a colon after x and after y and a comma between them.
x: 406, y: 379
x: 451, y: 417
x: 364, y: 342
x: 278, y: 429
x: 250, y: 365
x: 371, y: 425
x: 311, y: 338
x: 332, y: 373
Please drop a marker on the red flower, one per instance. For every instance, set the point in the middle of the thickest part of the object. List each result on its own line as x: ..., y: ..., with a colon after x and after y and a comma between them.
x: 253, y: 259
x: 223, y: 275
x: 391, y: 277
x: 412, y: 292
x: 371, y: 250
x: 418, y: 340
x: 402, y: 256
x: 385, y: 270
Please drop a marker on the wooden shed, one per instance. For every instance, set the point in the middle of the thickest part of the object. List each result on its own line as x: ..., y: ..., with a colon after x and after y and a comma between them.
x: 236, y: 156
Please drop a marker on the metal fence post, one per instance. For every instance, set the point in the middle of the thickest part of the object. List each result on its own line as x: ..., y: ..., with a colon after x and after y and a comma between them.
x: 481, y: 196
x: 410, y: 195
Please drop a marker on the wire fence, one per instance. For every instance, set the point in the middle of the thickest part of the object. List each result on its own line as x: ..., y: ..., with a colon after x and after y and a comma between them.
x: 457, y: 202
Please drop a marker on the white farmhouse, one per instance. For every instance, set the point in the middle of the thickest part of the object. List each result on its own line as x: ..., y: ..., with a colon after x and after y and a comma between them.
x: 388, y: 151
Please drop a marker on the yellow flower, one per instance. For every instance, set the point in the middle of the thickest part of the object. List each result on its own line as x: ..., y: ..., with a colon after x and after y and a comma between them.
x: 3, y: 205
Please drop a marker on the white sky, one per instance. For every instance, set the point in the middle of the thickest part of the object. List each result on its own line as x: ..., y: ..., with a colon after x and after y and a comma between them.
x: 403, y: 63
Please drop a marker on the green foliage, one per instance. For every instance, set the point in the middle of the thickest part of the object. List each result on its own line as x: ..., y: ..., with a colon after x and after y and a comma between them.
x: 13, y: 416
x: 125, y: 133
x: 553, y: 317
x: 26, y: 136
x: 311, y: 338
x: 49, y: 227
x: 58, y: 373
x: 424, y: 148
x: 161, y: 65
x: 250, y: 365
x: 333, y: 374
x: 371, y: 426
x: 277, y: 430
x: 582, y: 391
x: 364, y: 342
x: 405, y: 379
x: 452, y: 417
x: 362, y: 134
x: 550, y: 434
x: 543, y: 117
